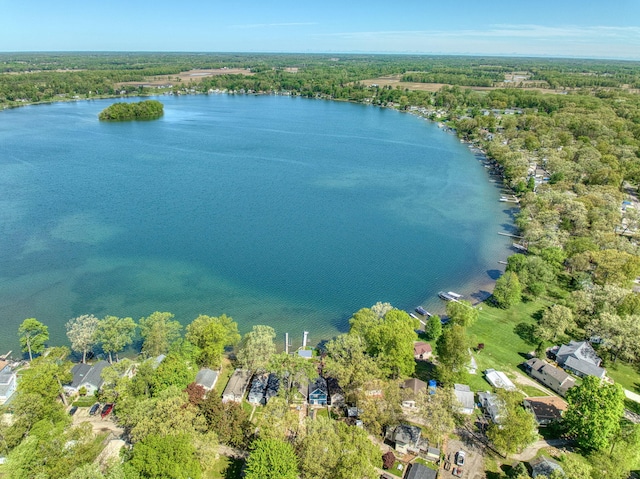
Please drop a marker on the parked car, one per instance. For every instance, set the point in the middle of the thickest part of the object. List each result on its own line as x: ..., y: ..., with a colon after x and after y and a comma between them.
x: 94, y: 409
x: 106, y: 410
x: 73, y: 410
x: 460, y: 455
x: 457, y: 471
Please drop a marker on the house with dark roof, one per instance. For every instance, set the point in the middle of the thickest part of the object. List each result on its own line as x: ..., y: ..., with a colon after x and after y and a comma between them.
x: 336, y: 394
x: 422, y: 350
x: 207, y: 378
x: 406, y: 438
x: 87, y: 377
x: 546, y: 409
x: 237, y: 386
x: 318, y: 392
x: 419, y: 471
x: 554, y: 378
x: 410, y: 390
x: 579, y: 358
x: 273, y: 386
x: 258, y: 389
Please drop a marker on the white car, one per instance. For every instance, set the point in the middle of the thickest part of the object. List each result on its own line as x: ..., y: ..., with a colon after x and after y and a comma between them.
x: 460, y: 455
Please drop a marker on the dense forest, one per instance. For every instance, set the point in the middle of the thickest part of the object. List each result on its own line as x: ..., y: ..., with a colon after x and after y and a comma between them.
x: 142, y: 110
x: 563, y: 137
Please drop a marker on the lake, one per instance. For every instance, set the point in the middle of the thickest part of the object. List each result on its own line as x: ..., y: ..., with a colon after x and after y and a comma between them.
x: 274, y: 210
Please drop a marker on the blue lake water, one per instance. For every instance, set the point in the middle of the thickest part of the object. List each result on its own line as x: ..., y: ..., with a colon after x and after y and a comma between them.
x: 274, y: 210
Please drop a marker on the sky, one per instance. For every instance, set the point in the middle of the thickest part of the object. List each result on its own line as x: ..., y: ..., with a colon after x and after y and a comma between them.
x: 561, y: 28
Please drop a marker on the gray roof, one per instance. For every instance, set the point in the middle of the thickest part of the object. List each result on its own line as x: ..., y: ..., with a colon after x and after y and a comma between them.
x: 581, y: 350
x: 87, y: 375
x: 584, y: 367
x: 207, y: 378
x: 543, y: 466
x: 6, y: 381
x: 407, y: 434
x: 464, y: 396
x: 540, y: 365
x: 418, y: 471
x: 237, y: 384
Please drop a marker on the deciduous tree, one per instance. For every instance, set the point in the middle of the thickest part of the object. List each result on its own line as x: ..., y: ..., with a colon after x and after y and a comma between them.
x: 257, y: 348
x: 462, y: 312
x: 517, y: 428
x: 158, y: 331
x: 212, y: 335
x: 507, y: 291
x: 114, y: 334
x: 272, y: 459
x: 81, y: 332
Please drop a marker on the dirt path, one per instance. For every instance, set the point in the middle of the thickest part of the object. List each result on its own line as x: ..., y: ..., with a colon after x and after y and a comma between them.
x: 531, y: 451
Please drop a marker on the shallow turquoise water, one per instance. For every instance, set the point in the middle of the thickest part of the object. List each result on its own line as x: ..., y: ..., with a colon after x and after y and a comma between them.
x: 273, y: 210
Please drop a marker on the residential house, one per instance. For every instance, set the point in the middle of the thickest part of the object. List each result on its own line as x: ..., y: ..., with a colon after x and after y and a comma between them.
x: 8, y: 383
x: 406, y: 438
x: 87, y: 377
x: 258, y: 389
x: 422, y: 350
x: 237, y: 386
x: 412, y: 388
x: 207, y: 378
x: 318, y: 392
x: 299, y: 394
x: 499, y: 380
x: 554, y: 378
x: 273, y: 386
x: 465, y: 398
x: 579, y: 358
x: 336, y: 394
x: 419, y: 471
x: 544, y: 466
x: 492, y: 405
x: 546, y: 409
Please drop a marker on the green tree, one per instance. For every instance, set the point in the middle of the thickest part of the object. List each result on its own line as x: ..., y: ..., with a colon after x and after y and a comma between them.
x: 81, y: 332
x: 517, y: 428
x: 554, y: 323
x: 33, y: 336
x: 272, y: 459
x: 291, y: 369
x: 462, y: 312
x: 507, y: 291
x: 452, y: 349
x: 114, y: 334
x: 332, y: 449
x: 348, y: 362
x: 166, y: 457
x: 158, y: 332
x: 620, y: 335
x: 212, y: 335
x: 437, y: 409
x: 229, y: 420
x: 594, y: 413
x: 257, y: 348
x: 433, y: 329
x: 174, y: 370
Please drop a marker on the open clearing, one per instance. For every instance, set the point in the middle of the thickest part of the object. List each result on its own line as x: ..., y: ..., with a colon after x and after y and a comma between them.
x: 191, y: 76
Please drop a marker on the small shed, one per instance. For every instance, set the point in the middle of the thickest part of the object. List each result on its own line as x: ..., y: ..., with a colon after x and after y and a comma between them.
x: 465, y: 398
x: 207, y: 378
x: 499, y: 380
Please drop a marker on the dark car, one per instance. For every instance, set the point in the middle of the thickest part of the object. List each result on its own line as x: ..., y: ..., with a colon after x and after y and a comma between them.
x: 73, y: 410
x: 94, y: 409
x: 106, y: 410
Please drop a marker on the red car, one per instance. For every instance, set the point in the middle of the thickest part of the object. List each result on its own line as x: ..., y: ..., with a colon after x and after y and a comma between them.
x: 106, y: 410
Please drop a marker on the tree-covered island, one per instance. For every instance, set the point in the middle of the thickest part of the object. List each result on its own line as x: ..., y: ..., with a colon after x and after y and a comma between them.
x: 142, y: 110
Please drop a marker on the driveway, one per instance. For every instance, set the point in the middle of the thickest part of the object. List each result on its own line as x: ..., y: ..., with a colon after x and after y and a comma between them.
x: 474, y: 458
x: 98, y: 424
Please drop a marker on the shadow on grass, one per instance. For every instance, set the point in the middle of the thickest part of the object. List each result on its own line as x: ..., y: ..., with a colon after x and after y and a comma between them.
x: 526, y: 332
x: 234, y: 469
x: 425, y: 370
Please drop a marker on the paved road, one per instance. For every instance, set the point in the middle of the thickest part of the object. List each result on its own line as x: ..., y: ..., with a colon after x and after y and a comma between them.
x: 631, y: 395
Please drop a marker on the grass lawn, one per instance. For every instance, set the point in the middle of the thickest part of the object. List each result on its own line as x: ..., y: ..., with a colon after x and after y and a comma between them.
x: 86, y: 401
x: 624, y: 374
x: 226, y: 468
x: 225, y: 373
x: 506, y: 335
x: 395, y: 471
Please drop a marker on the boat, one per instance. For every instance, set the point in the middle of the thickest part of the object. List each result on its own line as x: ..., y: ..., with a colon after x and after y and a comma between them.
x: 449, y: 296
x: 422, y: 311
